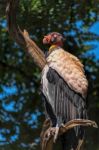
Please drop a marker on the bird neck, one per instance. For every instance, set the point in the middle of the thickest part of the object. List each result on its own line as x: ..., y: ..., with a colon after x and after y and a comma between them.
x: 53, y: 47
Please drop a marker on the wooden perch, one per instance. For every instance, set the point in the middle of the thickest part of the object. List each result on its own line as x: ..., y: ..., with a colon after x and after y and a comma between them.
x: 22, y: 38
x: 47, y: 141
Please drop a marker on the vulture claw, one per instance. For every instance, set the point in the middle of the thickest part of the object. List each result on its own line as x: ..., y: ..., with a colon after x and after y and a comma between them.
x: 52, y: 131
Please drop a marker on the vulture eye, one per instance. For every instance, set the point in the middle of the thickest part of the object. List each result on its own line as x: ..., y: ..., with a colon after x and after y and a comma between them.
x: 54, y: 38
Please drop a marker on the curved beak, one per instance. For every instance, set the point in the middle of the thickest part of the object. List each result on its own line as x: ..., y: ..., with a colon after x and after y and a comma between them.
x: 47, y: 39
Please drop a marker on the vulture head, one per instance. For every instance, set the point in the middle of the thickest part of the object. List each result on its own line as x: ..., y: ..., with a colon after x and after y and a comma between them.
x: 53, y: 38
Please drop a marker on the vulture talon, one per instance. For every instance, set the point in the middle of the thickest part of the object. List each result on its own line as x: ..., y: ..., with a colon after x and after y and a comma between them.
x: 62, y: 125
x: 49, y: 133
x: 52, y: 132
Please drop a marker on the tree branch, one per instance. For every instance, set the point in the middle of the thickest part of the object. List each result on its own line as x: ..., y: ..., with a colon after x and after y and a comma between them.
x: 47, y: 141
x: 22, y: 38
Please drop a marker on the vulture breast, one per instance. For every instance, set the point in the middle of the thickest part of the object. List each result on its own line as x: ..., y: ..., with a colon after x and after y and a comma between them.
x: 70, y: 69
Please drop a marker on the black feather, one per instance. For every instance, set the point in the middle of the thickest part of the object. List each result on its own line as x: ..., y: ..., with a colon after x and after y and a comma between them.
x: 66, y: 105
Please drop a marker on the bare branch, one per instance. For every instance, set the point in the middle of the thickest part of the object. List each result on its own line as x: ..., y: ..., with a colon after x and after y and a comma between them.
x: 47, y: 141
x: 46, y: 145
x: 22, y: 38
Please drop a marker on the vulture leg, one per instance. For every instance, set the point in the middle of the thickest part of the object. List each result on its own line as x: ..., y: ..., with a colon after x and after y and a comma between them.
x: 52, y: 131
x: 56, y: 133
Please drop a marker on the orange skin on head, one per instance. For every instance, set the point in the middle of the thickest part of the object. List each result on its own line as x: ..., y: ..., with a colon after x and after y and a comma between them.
x: 48, y: 40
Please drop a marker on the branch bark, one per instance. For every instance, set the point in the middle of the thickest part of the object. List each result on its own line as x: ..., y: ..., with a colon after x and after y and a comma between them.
x: 22, y: 38
x: 47, y: 141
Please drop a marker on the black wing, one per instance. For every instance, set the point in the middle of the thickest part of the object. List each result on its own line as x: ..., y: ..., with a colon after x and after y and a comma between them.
x: 61, y: 101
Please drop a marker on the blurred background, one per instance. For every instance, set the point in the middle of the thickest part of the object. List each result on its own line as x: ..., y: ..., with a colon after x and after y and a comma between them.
x: 21, y: 108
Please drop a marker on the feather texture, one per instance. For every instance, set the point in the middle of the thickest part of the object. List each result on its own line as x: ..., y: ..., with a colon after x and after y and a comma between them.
x: 66, y: 104
x: 70, y: 69
x: 64, y: 87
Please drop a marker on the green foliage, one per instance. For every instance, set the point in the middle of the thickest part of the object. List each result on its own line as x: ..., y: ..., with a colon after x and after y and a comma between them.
x: 21, y: 126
